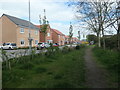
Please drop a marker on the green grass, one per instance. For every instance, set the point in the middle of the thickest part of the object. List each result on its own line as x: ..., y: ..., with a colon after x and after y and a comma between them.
x: 109, y: 60
x: 60, y: 70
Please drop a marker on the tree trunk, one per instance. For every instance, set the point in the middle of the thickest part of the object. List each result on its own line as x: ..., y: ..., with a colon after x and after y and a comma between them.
x: 99, y: 42
x: 44, y: 37
x: 118, y: 38
x: 104, y: 46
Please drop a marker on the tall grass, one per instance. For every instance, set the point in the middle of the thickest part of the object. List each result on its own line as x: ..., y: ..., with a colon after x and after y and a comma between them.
x: 58, y: 69
x: 110, y: 60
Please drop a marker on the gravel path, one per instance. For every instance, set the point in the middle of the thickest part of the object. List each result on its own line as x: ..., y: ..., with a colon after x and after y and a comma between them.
x: 95, y: 76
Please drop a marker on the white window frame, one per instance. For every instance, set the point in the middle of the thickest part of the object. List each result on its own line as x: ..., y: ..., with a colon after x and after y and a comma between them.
x: 58, y: 36
x: 21, y: 30
x: 36, y: 32
x: 22, y: 44
x: 48, y: 34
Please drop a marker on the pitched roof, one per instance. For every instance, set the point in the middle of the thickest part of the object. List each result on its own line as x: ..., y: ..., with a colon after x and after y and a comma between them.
x: 39, y: 26
x: 74, y: 37
x: 66, y: 36
x: 58, y: 32
x: 20, y: 22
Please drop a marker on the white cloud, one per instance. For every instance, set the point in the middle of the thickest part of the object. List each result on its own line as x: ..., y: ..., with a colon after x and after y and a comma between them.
x: 58, y: 14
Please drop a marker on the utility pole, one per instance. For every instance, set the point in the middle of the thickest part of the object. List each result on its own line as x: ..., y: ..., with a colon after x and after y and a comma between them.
x: 29, y: 38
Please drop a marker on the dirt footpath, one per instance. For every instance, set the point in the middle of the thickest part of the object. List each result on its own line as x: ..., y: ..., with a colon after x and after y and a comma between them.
x: 95, y: 76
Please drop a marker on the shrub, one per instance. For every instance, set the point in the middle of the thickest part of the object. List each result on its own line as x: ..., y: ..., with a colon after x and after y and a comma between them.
x: 77, y: 47
x: 82, y: 45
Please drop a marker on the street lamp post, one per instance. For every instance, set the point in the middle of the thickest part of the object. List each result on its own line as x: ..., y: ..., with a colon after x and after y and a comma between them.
x: 29, y: 38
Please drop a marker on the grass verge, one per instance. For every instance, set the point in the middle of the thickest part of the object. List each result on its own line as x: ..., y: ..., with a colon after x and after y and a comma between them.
x: 61, y: 70
x: 109, y: 60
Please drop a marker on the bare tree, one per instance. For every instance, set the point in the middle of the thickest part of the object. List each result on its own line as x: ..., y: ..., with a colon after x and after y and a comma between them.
x: 44, y: 25
x: 79, y: 35
x: 70, y: 34
x: 114, y: 18
x: 95, y: 15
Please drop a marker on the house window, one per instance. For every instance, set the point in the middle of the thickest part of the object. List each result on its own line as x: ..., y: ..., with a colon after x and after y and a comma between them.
x: 22, y: 42
x: 48, y: 34
x: 58, y: 36
x: 36, y: 41
x: 36, y: 32
x: 63, y: 37
x: 21, y: 30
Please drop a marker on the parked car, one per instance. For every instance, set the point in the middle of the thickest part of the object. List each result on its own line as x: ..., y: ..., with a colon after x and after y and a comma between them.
x: 42, y: 45
x: 47, y: 45
x: 55, y: 44
x: 9, y: 46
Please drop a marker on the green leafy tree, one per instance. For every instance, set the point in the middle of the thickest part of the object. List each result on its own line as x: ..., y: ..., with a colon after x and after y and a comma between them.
x: 92, y: 37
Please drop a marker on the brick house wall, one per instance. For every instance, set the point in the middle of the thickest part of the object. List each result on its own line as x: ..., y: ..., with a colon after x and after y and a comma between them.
x: 11, y: 33
x: 55, y: 37
x: 58, y: 37
x: 48, y: 37
x: 66, y: 39
x: 0, y: 31
x: 24, y: 36
x: 62, y: 40
x: 8, y: 30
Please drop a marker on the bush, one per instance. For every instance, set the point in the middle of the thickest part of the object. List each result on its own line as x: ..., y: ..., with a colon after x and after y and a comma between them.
x: 82, y: 45
x: 77, y: 47
x: 111, y: 42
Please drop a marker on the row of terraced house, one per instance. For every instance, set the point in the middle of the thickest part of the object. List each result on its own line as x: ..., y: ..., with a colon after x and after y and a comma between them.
x: 16, y: 30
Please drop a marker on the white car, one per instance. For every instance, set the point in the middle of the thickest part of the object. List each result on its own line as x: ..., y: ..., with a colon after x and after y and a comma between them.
x: 42, y: 45
x: 9, y: 46
x: 47, y: 45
